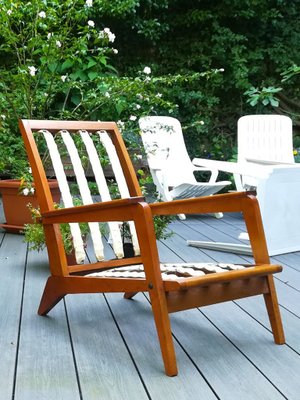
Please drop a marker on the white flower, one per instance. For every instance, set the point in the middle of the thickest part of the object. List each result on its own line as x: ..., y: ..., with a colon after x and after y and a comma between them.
x: 46, y: 94
x: 132, y: 118
x: 42, y: 14
x: 147, y: 79
x: 106, y: 33
x: 58, y: 43
x: 89, y: 3
x: 30, y: 170
x: 137, y: 106
x: 147, y: 70
x: 120, y: 124
x: 111, y: 37
x: 49, y: 36
x: 221, y: 70
x: 115, y: 51
x: 3, y: 116
x: 139, y: 156
x: 25, y: 192
x: 201, y: 122
x: 9, y: 12
x: 106, y: 94
x: 32, y: 190
x: 158, y: 95
x: 91, y: 23
x: 63, y: 78
x: 32, y: 71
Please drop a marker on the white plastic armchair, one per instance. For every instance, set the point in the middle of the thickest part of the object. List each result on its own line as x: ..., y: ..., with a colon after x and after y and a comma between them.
x: 262, y: 140
x: 266, y: 163
x: 169, y: 163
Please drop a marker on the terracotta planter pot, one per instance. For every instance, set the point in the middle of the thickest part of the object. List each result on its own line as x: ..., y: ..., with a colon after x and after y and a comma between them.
x: 15, y: 205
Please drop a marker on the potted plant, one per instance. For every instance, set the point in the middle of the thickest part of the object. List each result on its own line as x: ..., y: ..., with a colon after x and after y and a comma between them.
x: 16, y: 194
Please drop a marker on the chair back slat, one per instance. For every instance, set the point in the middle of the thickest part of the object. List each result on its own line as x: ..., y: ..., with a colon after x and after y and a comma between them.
x: 120, y: 179
x: 84, y: 191
x: 114, y: 227
x: 65, y: 193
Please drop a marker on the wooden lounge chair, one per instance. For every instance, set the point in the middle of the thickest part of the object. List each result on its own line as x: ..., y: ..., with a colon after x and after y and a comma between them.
x: 171, y: 287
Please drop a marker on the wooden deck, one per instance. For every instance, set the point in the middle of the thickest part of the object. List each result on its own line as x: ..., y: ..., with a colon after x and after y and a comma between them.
x: 105, y: 347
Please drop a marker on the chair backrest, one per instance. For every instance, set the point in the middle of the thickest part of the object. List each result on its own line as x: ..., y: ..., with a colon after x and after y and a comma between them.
x: 265, y: 137
x: 63, y: 138
x: 165, y: 148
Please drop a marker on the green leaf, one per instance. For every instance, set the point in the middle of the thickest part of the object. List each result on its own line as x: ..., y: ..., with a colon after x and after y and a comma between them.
x: 92, y: 75
x: 53, y: 66
x: 76, y: 99
x: 103, y: 60
x: 91, y: 63
x: 266, y: 101
x: 67, y: 64
x: 253, y: 102
x: 274, y: 102
x: 120, y: 105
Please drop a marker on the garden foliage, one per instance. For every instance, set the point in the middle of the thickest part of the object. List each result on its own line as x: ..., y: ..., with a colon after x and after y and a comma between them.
x: 206, y: 63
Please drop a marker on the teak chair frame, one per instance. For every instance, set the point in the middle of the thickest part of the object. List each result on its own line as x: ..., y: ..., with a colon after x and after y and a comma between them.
x: 165, y: 296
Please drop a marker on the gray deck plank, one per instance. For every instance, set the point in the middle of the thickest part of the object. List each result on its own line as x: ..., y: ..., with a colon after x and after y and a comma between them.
x: 224, y: 351
x: 280, y: 364
x: 192, y: 233
x: 12, y: 261
x: 224, y: 366
x: 255, y: 306
x: 45, y: 364
x: 288, y: 297
x: 105, y: 368
x: 136, y: 322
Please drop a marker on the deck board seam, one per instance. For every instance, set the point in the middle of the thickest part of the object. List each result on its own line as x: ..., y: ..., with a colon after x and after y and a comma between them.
x: 19, y: 328
x: 191, y: 359
x: 73, y: 350
x: 127, y: 347
x: 244, y: 355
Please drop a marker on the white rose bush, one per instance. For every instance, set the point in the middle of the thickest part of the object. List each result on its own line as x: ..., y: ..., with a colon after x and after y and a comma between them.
x: 58, y: 62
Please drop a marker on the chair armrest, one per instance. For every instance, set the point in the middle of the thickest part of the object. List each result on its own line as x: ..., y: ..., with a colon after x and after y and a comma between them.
x: 254, y: 169
x: 265, y: 162
x: 225, y: 166
x: 228, y: 202
x: 116, y: 210
x: 245, y: 202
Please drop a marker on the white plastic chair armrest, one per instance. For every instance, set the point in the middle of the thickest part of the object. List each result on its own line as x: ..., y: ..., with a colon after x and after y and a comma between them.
x: 249, y: 169
x: 265, y: 162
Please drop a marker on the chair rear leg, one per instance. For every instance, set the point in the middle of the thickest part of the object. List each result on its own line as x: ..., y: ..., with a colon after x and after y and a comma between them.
x: 163, y: 327
x: 53, y: 293
x: 274, y: 312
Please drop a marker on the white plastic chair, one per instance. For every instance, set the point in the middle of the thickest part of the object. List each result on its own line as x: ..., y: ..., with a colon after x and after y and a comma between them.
x: 170, y: 165
x: 266, y: 163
